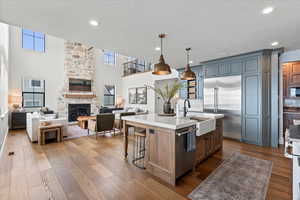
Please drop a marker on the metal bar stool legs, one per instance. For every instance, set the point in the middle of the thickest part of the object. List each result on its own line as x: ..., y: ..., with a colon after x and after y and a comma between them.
x: 139, y: 149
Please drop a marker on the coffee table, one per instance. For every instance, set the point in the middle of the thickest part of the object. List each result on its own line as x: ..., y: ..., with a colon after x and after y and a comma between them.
x: 83, y: 121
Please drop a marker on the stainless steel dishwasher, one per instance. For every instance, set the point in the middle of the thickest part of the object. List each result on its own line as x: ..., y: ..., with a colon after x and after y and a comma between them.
x: 184, y: 160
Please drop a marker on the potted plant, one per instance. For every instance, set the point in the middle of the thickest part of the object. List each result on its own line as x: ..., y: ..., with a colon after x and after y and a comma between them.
x: 167, y: 93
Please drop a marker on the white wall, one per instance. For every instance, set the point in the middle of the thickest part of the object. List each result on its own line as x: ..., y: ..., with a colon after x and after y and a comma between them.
x: 48, y: 66
x: 108, y: 74
x: 140, y: 80
x: 4, y: 69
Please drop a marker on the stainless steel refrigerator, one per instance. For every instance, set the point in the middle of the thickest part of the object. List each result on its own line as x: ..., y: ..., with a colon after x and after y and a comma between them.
x: 223, y: 95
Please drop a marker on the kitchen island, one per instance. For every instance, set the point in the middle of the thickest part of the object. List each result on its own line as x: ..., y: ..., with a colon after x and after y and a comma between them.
x: 170, y: 151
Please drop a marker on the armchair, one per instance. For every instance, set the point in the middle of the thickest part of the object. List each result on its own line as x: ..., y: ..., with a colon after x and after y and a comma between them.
x: 104, y: 122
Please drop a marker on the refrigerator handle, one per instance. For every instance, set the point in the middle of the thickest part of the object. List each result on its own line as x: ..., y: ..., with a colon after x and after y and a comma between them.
x: 215, y: 100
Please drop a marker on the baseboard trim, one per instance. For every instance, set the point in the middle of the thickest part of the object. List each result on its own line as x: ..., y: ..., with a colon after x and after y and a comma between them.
x: 4, y: 142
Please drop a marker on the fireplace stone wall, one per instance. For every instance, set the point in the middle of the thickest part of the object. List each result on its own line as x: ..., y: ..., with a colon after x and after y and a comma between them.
x: 79, y: 64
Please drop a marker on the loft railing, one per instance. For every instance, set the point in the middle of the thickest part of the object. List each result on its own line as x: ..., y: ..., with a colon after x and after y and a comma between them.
x: 136, y: 66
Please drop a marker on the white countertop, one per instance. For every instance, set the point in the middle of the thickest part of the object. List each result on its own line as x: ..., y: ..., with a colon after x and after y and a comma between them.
x: 161, y: 121
x: 169, y: 122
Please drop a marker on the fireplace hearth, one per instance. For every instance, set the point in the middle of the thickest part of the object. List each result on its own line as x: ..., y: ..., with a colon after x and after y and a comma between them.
x: 76, y: 110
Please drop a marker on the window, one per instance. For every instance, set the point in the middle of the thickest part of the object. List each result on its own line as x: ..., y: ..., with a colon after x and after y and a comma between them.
x: 129, y: 58
x: 33, y: 40
x: 33, y: 93
x: 109, y: 58
x: 109, y: 95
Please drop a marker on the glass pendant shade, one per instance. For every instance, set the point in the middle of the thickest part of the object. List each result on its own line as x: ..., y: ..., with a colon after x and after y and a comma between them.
x: 188, y: 74
x: 161, y: 68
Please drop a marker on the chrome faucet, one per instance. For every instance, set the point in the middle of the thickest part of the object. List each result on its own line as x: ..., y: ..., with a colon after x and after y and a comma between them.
x: 185, y: 108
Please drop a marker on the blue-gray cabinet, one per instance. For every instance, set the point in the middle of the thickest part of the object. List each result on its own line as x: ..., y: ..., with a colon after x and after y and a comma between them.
x: 212, y: 70
x: 236, y: 67
x: 255, y: 70
x: 223, y: 68
x: 251, y: 110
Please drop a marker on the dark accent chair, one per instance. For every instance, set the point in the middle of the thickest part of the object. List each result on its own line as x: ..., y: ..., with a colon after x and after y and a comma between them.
x: 104, y: 122
x: 108, y: 110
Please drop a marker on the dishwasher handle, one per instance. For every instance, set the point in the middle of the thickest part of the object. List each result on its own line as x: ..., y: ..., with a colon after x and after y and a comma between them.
x: 187, y: 131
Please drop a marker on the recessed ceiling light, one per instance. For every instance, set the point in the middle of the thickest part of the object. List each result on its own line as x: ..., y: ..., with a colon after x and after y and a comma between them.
x: 274, y: 44
x: 157, y: 48
x: 191, y: 62
x: 267, y: 10
x: 94, y: 23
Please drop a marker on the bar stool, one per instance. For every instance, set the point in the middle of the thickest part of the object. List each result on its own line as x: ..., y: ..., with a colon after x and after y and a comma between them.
x: 139, y: 147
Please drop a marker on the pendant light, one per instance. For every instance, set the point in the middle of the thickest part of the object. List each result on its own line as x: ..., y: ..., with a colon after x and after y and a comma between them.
x: 188, y: 74
x: 161, y: 68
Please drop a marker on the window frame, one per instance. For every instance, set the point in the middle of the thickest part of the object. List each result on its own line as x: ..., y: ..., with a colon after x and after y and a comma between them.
x: 35, y: 36
x: 43, y: 93
x: 107, y: 56
x: 109, y: 95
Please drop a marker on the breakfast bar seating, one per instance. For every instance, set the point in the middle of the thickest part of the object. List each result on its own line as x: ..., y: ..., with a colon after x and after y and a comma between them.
x: 139, y: 147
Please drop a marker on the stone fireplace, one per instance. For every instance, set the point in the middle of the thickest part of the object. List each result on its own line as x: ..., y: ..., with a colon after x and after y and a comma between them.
x: 79, y: 64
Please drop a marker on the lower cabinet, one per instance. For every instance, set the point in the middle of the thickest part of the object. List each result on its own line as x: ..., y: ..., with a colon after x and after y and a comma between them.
x: 18, y: 120
x: 209, y: 143
x: 160, y: 154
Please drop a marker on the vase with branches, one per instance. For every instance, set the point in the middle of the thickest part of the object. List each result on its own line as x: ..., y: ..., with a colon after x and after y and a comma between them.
x: 167, y: 93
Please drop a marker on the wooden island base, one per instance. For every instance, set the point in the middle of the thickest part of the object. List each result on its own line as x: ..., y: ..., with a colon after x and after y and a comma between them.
x: 166, y: 157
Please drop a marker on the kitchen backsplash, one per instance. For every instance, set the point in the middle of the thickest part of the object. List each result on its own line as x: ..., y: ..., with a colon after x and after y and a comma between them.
x: 196, y: 105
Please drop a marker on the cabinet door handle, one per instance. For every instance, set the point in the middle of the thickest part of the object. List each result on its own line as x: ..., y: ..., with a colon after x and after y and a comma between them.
x: 298, y: 161
x: 151, y: 131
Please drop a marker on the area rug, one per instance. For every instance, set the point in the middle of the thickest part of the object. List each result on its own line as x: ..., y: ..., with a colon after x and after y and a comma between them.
x: 75, y: 131
x: 240, y: 177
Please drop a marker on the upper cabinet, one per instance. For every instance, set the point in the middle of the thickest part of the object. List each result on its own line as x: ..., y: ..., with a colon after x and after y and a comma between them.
x: 236, y: 67
x: 251, y: 65
x: 294, y: 73
x: 225, y: 68
x: 285, y: 84
x: 211, y: 70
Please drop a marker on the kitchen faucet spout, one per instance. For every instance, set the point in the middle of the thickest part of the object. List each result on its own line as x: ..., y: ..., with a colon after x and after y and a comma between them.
x: 185, y: 108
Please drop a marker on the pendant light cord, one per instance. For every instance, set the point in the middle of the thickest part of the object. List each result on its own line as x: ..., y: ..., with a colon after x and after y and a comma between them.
x: 187, y: 57
x: 161, y: 46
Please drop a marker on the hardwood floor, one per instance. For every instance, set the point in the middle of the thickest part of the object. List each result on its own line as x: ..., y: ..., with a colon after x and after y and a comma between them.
x: 85, y: 168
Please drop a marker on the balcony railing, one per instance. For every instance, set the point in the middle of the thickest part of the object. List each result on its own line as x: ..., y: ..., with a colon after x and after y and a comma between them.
x: 136, y: 66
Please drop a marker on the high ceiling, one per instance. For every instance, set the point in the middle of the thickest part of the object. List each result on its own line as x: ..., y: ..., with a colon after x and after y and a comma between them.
x: 213, y: 28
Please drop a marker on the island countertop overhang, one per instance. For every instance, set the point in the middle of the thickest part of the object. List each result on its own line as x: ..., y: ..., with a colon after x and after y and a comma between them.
x: 173, y: 123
